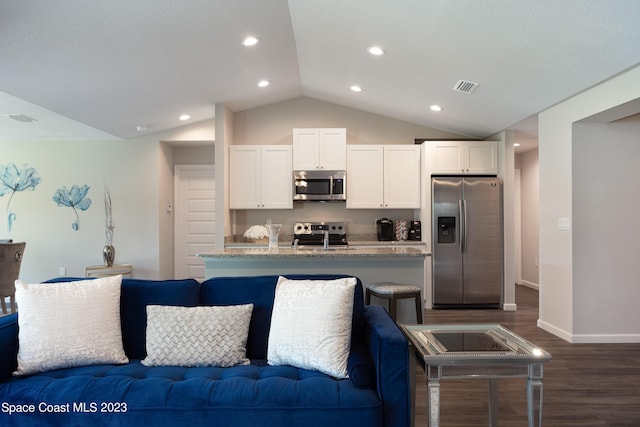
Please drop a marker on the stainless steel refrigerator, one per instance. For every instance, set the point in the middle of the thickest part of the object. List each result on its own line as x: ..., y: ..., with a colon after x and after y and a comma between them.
x: 467, y: 242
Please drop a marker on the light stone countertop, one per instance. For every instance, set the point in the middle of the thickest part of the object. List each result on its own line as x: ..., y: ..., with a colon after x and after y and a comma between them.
x: 289, y: 252
x: 352, y: 243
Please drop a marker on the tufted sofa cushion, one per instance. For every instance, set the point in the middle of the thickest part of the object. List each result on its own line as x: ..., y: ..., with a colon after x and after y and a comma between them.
x: 226, y: 393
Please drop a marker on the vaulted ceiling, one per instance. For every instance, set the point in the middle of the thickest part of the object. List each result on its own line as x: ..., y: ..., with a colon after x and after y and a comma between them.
x: 98, y: 69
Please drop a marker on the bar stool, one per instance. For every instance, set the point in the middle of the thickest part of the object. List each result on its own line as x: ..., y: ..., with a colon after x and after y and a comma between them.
x: 10, y: 261
x: 392, y: 292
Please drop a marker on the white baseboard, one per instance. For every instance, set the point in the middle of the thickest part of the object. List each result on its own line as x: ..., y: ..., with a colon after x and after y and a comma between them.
x: 509, y: 307
x: 606, y: 338
x: 554, y: 330
x: 529, y: 284
x: 589, y: 338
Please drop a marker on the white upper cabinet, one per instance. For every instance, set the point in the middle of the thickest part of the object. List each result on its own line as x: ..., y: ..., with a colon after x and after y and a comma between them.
x: 319, y: 148
x: 464, y: 157
x: 402, y: 172
x: 383, y: 176
x: 260, y: 177
x: 365, y: 177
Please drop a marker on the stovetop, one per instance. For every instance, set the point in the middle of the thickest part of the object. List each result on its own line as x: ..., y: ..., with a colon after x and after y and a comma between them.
x: 306, y: 228
x: 312, y: 233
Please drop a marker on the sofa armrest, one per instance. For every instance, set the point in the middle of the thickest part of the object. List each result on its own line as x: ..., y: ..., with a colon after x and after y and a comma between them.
x: 390, y: 356
x: 8, y: 345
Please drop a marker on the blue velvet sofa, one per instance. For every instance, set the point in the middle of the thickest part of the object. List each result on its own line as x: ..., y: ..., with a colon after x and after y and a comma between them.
x: 377, y: 392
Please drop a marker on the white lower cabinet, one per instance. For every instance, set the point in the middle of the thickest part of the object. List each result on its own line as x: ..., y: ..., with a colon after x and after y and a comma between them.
x: 260, y: 177
x: 383, y: 176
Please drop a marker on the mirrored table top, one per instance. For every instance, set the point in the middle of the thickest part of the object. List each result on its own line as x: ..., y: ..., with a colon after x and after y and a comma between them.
x: 472, y: 343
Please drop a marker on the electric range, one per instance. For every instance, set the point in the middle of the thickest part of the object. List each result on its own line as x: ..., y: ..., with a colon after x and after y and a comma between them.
x: 313, y: 233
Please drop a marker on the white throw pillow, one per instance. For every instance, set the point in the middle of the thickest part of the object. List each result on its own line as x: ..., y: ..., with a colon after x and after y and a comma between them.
x: 197, y: 336
x: 311, y: 325
x: 69, y: 324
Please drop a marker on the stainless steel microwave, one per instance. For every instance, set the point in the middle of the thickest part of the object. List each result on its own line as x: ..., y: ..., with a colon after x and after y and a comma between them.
x: 319, y: 185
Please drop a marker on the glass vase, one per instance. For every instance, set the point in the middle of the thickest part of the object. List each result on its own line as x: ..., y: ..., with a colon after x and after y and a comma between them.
x: 274, y: 231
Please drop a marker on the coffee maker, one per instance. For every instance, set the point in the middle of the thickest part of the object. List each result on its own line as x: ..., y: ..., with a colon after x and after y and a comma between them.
x: 415, y: 230
x: 384, y: 227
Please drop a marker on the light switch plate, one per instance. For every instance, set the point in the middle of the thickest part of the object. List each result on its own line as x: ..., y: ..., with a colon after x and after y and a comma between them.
x: 564, y: 224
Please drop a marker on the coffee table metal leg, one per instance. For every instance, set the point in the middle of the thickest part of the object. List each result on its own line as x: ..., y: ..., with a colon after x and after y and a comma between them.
x: 534, y: 390
x: 433, y: 403
x: 493, y: 402
x: 433, y: 395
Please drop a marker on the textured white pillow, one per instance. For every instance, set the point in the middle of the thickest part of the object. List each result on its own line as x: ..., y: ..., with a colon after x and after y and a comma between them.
x: 311, y: 325
x: 69, y: 324
x: 197, y: 336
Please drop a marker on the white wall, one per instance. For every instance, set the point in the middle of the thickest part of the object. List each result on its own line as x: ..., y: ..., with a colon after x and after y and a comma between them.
x: 272, y: 124
x: 559, y: 291
x: 139, y: 174
x: 131, y: 173
x: 606, y: 208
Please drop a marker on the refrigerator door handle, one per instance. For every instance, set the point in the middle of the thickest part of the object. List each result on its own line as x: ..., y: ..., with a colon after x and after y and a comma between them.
x: 464, y: 206
x: 462, y: 215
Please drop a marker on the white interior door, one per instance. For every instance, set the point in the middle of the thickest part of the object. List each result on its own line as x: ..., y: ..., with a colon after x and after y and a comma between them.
x: 194, y: 220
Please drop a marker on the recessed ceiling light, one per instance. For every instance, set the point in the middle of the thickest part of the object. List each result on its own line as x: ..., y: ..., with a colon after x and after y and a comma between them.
x: 184, y: 117
x: 250, y: 41
x: 263, y: 83
x: 376, y: 50
x: 436, y: 108
x: 356, y: 88
x: 517, y: 144
x: 142, y: 128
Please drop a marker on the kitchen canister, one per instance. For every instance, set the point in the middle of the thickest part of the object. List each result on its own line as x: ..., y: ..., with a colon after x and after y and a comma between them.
x: 402, y: 230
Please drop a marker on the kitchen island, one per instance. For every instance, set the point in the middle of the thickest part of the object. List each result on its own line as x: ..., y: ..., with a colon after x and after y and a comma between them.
x: 371, y: 264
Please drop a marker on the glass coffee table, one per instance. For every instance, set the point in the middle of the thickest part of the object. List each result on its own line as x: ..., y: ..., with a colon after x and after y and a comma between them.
x: 477, y: 351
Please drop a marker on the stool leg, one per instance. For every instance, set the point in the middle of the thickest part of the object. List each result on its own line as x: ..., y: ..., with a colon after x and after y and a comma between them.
x: 393, y: 305
x: 4, y: 306
x: 419, y: 308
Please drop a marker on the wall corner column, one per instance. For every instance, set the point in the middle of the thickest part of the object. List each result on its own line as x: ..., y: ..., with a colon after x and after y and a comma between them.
x: 224, y: 138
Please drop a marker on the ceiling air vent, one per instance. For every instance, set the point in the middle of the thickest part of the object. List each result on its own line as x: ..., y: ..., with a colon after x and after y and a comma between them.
x: 465, y: 86
x: 21, y: 118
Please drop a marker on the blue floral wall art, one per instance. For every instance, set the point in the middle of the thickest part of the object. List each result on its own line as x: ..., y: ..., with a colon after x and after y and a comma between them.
x: 13, y: 180
x: 75, y: 198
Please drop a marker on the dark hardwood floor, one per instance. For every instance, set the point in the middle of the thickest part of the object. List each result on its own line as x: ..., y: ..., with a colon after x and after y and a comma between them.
x: 585, y: 385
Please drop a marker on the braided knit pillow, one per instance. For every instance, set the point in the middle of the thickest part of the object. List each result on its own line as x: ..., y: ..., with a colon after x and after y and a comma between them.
x: 197, y: 336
